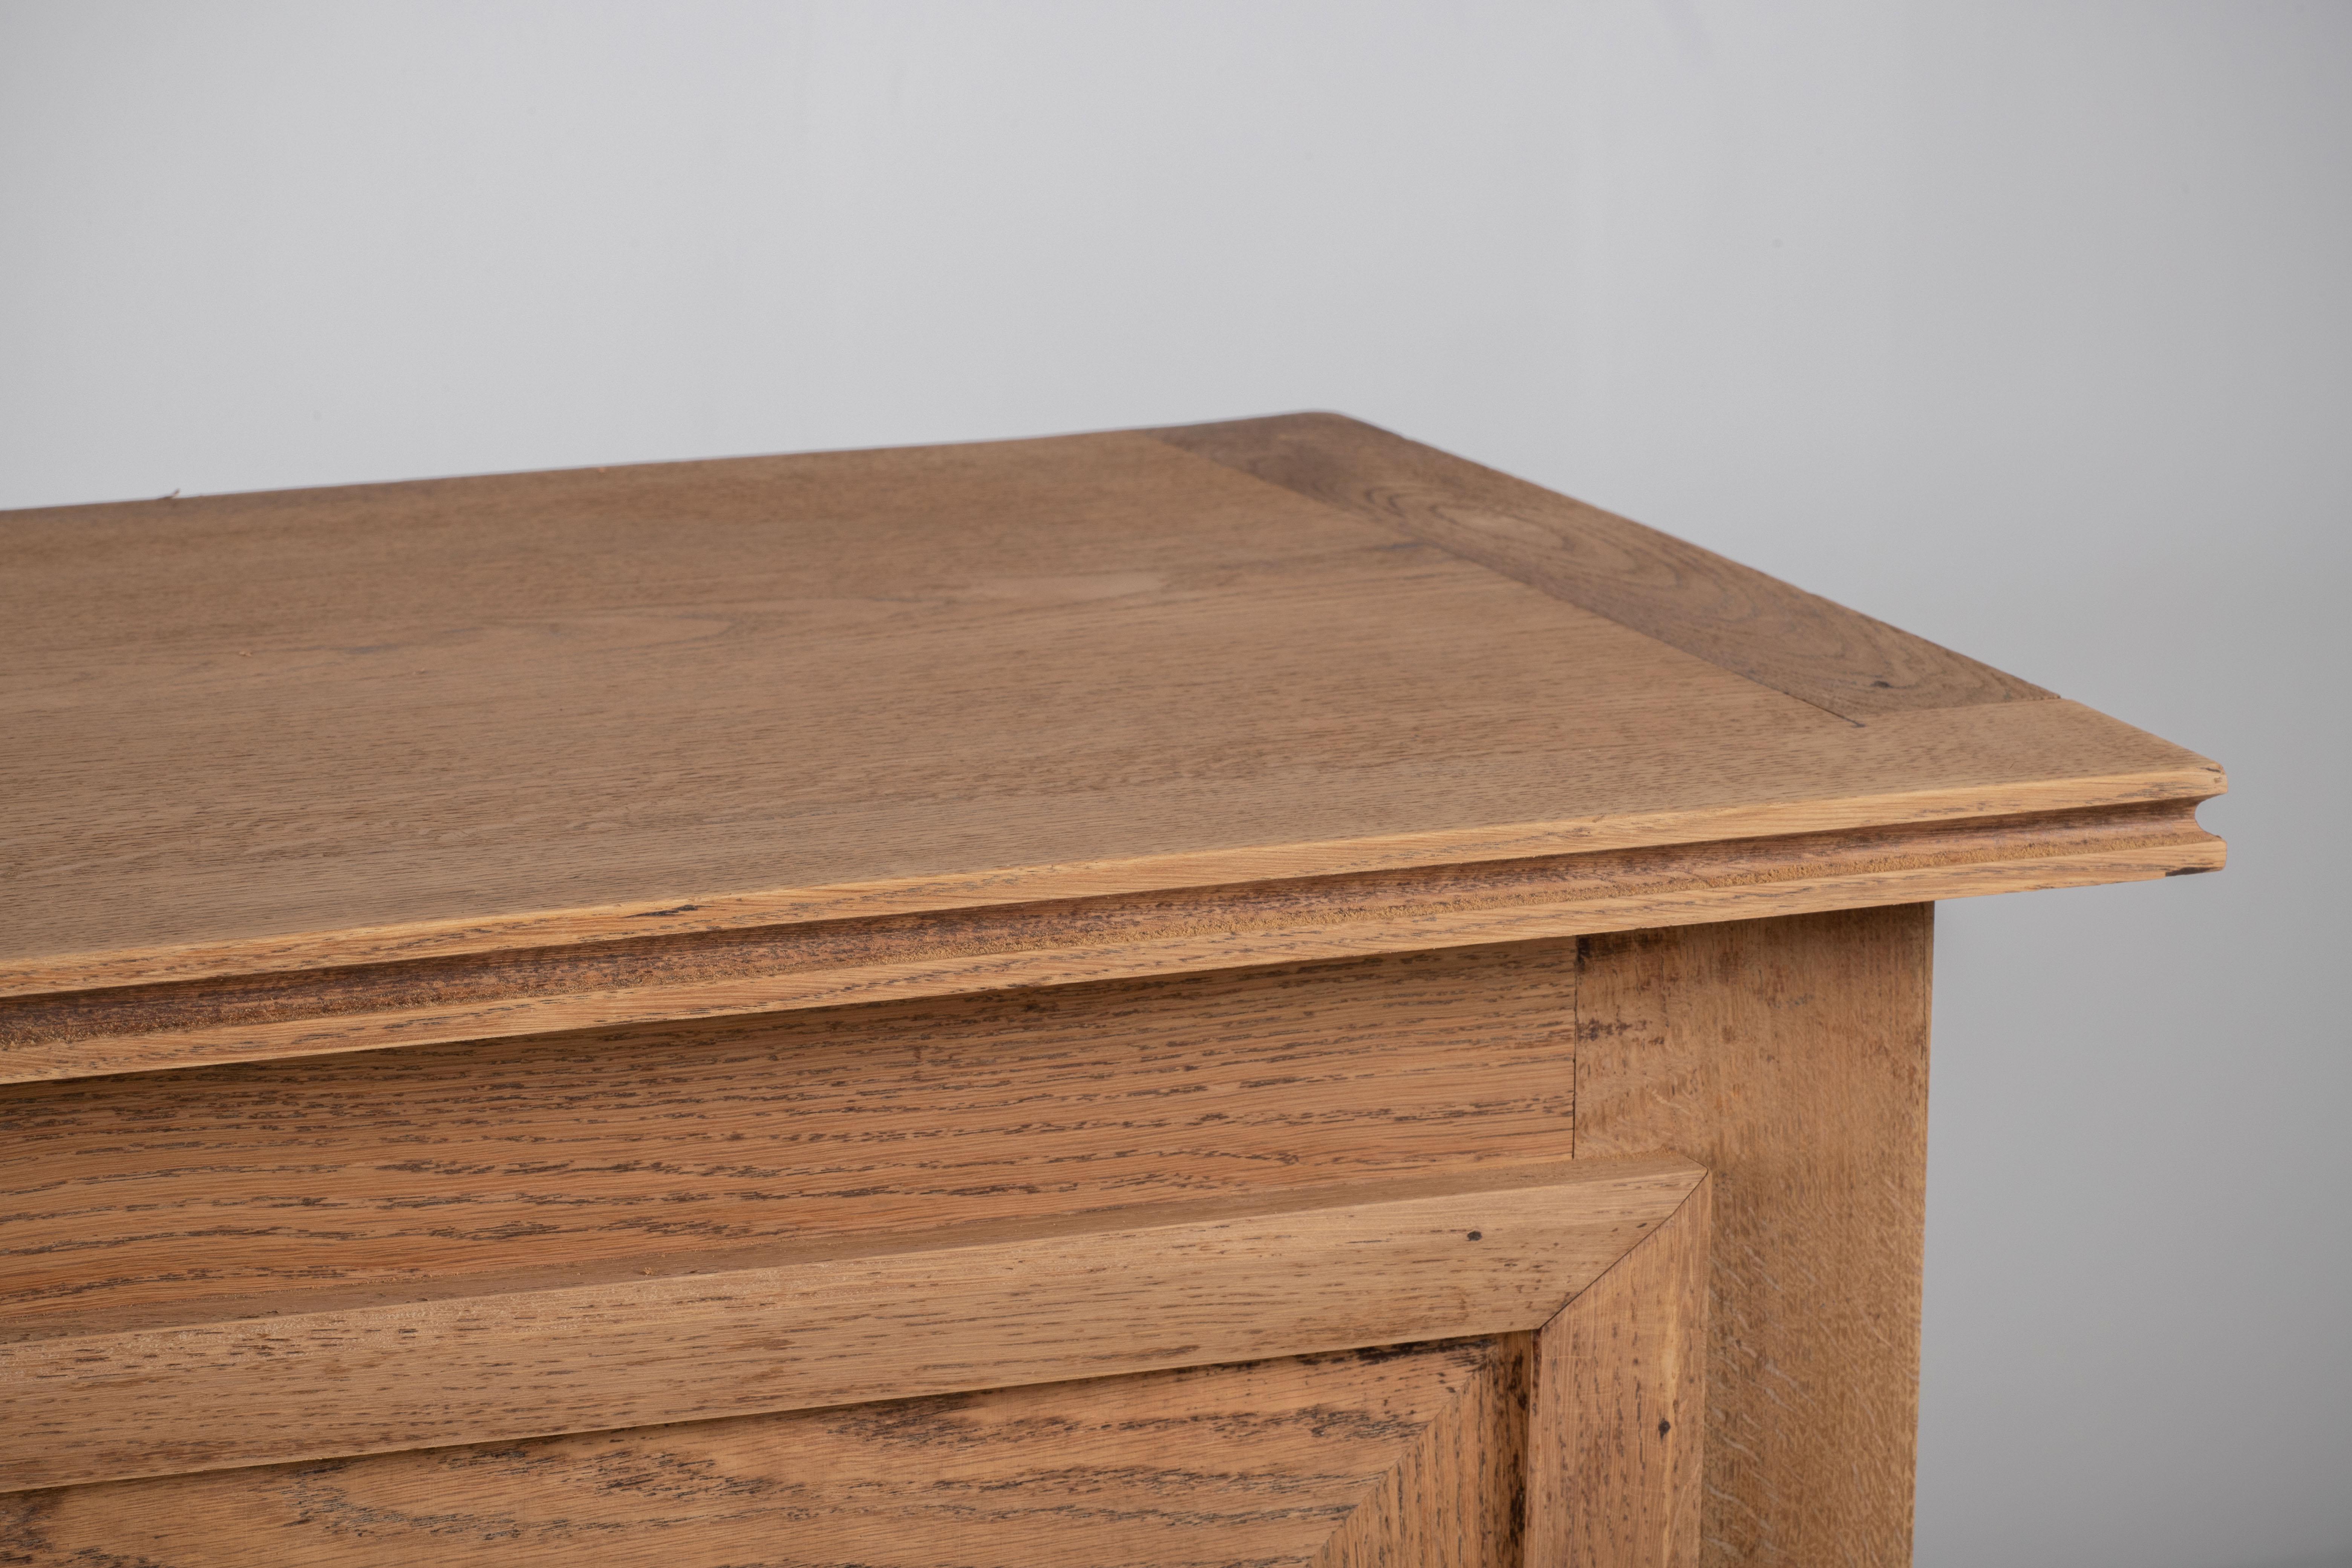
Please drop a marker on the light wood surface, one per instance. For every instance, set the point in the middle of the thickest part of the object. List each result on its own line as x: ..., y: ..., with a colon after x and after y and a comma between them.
x: 1617, y: 1423
x: 2027, y: 760
x: 770, y: 971
x: 1791, y: 1058
x: 1444, y: 1454
x: 1456, y: 1497
x: 557, y: 722
x: 149, y: 1199
x: 1779, y: 636
x: 985, y: 1306
x: 1394, y: 1459
x: 491, y: 958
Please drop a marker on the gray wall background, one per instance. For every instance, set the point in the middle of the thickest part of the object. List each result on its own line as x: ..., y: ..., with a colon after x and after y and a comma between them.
x: 2022, y: 325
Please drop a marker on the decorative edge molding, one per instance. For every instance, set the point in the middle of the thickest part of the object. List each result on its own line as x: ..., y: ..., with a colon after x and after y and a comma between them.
x: 2010, y: 749
x: 1100, y: 1294
x: 841, y: 962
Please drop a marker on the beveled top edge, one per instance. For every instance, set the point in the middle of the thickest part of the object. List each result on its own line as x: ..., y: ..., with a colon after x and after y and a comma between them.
x: 2193, y: 778
x: 1951, y: 747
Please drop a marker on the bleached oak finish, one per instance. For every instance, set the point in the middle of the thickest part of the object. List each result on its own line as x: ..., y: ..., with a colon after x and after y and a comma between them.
x: 488, y: 956
x: 1456, y: 1497
x: 1617, y: 1420
x: 1778, y: 636
x: 1389, y: 1458
x: 540, y: 745
x: 1790, y: 1058
x: 143, y: 1200
x: 981, y: 1307
x: 1005, y: 949
x: 1436, y: 1454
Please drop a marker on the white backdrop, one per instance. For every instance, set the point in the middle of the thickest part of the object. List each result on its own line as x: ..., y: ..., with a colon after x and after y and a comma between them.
x: 2022, y: 325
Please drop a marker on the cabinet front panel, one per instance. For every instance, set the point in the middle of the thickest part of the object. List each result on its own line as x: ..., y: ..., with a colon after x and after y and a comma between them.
x: 141, y: 1200
x: 1396, y: 1455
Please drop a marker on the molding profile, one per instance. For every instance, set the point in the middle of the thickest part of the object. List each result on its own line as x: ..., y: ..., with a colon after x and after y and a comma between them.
x: 1000, y: 1304
x: 837, y: 963
x: 1343, y: 1461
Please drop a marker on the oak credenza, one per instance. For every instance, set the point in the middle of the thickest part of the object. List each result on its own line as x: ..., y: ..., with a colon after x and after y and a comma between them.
x: 1245, y: 994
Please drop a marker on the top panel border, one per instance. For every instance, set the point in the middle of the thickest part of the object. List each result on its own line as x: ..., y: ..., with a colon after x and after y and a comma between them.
x: 1733, y: 616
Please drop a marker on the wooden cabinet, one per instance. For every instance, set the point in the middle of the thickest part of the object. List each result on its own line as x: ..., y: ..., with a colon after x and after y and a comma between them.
x: 1249, y: 993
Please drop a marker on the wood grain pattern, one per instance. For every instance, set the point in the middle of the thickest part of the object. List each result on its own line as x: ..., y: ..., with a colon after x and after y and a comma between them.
x: 260, y: 1018
x: 1457, y: 1497
x: 531, y: 692
x: 1299, y: 1461
x: 1733, y: 616
x: 227, y: 1192
x: 533, y: 710
x: 499, y: 957
x: 2051, y: 757
x: 1617, y: 1420
x: 988, y: 1305
x: 1791, y: 1058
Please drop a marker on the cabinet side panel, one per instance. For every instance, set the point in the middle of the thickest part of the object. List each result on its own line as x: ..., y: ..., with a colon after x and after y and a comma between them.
x: 1789, y: 1056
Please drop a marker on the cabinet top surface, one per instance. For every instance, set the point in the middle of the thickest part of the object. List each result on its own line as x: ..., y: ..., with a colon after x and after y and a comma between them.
x: 660, y: 697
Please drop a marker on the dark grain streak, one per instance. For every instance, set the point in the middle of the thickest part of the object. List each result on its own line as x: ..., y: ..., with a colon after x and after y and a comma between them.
x: 1255, y: 1463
